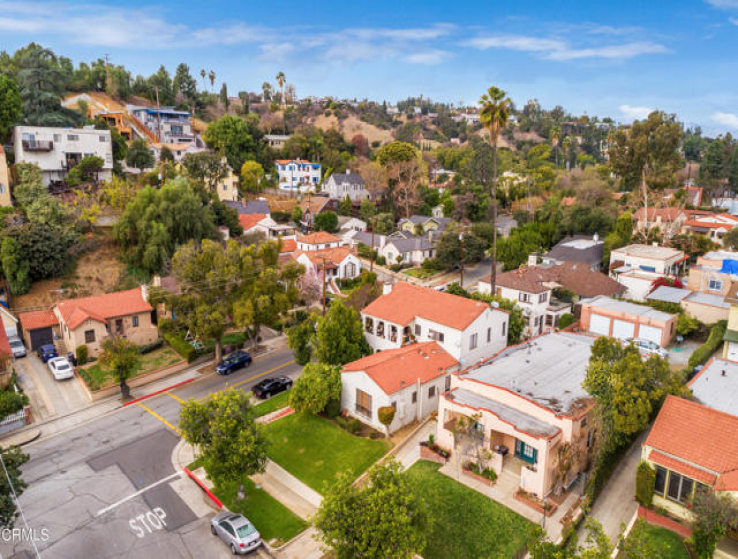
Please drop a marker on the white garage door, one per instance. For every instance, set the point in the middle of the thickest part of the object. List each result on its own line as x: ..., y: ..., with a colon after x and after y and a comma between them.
x: 599, y: 324
x: 650, y: 333
x: 623, y: 330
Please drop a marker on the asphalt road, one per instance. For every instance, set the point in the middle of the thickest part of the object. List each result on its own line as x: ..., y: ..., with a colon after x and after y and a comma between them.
x: 107, y: 487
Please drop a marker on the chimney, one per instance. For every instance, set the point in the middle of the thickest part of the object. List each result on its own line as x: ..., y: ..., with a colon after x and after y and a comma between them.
x: 430, y: 235
x: 532, y: 259
x: 595, y: 237
x: 386, y: 288
x: 145, y: 292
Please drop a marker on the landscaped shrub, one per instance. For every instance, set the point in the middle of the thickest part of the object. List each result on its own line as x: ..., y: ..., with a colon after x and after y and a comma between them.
x: 333, y: 409
x: 148, y: 348
x: 353, y: 426
x: 645, y: 483
x: 82, y: 354
x: 705, y: 351
x: 165, y: 326
x: 181, y: 346
x: 11, y: 402
x: 687, y: 324
x: 486, y: 473
x: 567, y: 319
x: 385, y: 415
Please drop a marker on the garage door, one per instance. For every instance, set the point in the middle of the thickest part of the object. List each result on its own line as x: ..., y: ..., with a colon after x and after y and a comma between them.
x: 623, y: 330
x: 650, y: 333
x: 599, y: 324
x: 41, y: 336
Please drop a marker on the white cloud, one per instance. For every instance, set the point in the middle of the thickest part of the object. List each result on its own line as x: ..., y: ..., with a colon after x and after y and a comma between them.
x: 733, y: 20
x: 724, y: 4
x: 554, y: 49
x: 726, y: 119
x: 631, y: 112
x: 232, y: 34
x: 432, y: 56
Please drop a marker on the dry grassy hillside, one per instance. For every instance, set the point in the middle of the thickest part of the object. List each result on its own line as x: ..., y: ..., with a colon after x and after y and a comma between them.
x: 351, y: 126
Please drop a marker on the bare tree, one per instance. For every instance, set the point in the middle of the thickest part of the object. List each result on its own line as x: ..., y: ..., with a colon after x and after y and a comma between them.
x: 375, y: 179
x: 407, y: 177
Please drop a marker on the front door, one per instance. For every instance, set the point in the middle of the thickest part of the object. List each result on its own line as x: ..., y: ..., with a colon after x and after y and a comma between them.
x: 525, y: 452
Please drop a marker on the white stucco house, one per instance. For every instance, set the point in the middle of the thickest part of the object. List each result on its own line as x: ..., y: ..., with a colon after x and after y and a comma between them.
x: 410, y: 379
x: 468, y: 330
x: 319, y: 241
x: 339, y: 263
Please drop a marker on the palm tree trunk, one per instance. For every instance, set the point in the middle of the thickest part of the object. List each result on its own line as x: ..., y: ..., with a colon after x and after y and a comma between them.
x: 493, y: 273
x: 557, y: 157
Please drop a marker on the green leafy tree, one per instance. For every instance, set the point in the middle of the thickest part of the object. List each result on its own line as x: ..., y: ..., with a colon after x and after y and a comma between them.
x: 11, y: 107
x: 730, y: 239
x: 11, y: 483
x: 619, y: 237
x: 326, y: 221
x: 395, y: 152
x: 45, y: 247
x: 251, y: 175
x: 166, y: 155
x: 346, y: 207
x: 383, y: 224
x: 89, y: 166
x: 161, y: 82
x: 207, y: 169
x: 640, y: 543
x: 318, y: 385
x: 16, y: 267
x: 300, y: 340
x: 122, y: 358
x: 339, y: 337
x: 494, y: 113
x: 296, y: 215
x: 224, y: 432
x: 367, y: 210
x: 232, y: 137
x: 185, y: 84
x: 157, y: 221
x: 139, y: 155
x: 714, y: 514
x: 30, y: 184
x: 448, y: 249
x: 384, y: 518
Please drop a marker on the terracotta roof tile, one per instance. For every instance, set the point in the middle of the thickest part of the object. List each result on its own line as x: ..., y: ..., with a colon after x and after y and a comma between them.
x: 4, y: 343
x: 33, y: 320
x: 319, y: 238
x: 102, y: 307
x: 681, y: 467
x: 333, y: 256
x: 698, y: 435
x: 247, y: 221
x: 406, y: 301
x: 394, y: 369
x: 288, y: 245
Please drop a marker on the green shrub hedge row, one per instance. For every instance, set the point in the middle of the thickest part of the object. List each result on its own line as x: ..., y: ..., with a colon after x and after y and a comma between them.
x: 705, y: 351
x: 181, y: 346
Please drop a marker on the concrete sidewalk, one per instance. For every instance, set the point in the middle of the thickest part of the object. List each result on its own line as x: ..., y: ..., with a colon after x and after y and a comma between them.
x: 288, y: 490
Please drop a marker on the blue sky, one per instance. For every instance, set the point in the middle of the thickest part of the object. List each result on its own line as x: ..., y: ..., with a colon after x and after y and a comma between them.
x: 617, y: 59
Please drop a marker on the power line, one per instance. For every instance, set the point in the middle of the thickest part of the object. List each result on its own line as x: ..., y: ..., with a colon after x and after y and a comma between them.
x: 17, y: 503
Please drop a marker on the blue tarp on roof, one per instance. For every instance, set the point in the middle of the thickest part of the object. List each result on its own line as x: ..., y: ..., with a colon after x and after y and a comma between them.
x: 730, y: 267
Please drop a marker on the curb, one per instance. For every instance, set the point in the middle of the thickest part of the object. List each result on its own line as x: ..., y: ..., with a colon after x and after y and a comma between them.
x: 202, y: 486
x: 168, y: 388
x: 32, y: 434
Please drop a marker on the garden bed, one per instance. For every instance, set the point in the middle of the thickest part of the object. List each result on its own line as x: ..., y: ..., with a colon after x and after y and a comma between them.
x: 316, y: 451
x: 463, y: 522
x: 97, y: 377
x: 535, y: 503
x: 434, y: 453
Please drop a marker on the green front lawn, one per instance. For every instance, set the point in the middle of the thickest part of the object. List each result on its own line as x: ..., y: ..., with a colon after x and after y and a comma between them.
x: 97, y: 377
x: 316, y: 450
x: 281, y: 400
x: 669, y: 544
x: 273, y: 520
x: 463, y: 522
x: 420, y: 273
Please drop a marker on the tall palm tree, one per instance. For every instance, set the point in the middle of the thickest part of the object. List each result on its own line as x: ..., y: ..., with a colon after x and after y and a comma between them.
x: 555, y: 135
x: 281, y: 80
x: 496, y: 108
x: 211, y: 77
x: 203, y: 73
x: 566, y: 144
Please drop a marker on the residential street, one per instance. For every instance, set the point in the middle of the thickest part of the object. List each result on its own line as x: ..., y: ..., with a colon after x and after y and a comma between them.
x: 107, y: 488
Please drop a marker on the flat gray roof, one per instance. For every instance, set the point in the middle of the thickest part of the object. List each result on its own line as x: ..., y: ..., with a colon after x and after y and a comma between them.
x: 549, y: 370
x: 669, y: 294
x: 714, y: 390
x: 708, y: 299
x: 628, y: 308
x: 650, y: 251
x: 520, y: 420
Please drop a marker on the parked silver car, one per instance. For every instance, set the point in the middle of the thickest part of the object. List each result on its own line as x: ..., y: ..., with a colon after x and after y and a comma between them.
x: 17, y: 347
x: 648, y: 347
x: 236, y: 531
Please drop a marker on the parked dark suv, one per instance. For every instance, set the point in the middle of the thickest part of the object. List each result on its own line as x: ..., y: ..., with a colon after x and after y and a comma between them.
x: 270, y: 386
x: 236, y: 360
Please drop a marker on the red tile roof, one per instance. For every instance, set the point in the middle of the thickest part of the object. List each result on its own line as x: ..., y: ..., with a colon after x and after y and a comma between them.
x: 102, y: 307
x: 681, y: 467
x: 4, y: 343
x: 666, y: 214
x: 726, y: 221
x: 288, y: 245
x: 700, y: 436
x: 406, y: 301
x: 568, y: 201
x: 319, y: 238
x: 394, y: 369
x: 332, y: 256
x: 33, y: 320
x: 247, y: 221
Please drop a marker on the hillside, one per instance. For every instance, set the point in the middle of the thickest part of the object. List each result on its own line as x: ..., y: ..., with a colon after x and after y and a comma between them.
x: 351, y: 126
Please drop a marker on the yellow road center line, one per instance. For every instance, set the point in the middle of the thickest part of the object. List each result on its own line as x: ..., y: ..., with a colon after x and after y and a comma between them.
x: 241, y: 383
x: 159, y: 417
x: 180, y: 400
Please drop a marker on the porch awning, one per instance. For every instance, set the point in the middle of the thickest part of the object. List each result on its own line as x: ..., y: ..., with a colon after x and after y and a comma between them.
x: 518, y: 419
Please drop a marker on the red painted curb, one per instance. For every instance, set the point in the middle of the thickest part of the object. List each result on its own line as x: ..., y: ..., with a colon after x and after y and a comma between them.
x: 205, y: 489
x: 167, y: 389
x: 285, y: 412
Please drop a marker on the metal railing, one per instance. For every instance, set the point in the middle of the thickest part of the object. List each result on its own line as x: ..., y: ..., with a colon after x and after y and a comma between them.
x: 38, y: 145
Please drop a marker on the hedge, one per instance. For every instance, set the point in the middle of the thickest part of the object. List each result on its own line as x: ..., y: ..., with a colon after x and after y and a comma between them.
x: 11, y: 401
x: 705, y: 351
x: 645, y: 484
x: 148, y: 348
x: 181, y: 346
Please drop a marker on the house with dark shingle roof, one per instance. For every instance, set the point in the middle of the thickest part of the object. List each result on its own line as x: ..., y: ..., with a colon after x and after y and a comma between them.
x: 247, y: 208
x: 410, y: 379
x: 407, y: 250
x: 467, y: 329
x: 340, y: 185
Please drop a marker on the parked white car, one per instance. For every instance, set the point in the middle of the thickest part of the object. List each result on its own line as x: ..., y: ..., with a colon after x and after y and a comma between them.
x: 17, y: 347
x: 647, y: 347
x: 60, y: 368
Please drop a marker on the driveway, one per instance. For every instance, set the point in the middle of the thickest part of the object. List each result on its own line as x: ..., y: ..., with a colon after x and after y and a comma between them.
x: 48, y: 397
x: 679, y: 354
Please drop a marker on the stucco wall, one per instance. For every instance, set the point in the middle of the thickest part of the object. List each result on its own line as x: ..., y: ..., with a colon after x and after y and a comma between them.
x: 668, y: 328
x: 705, y: 313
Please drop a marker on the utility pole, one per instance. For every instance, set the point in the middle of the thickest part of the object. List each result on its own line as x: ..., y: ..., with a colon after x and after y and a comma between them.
x: 107, y: 72
x: 461, y: 279
x: 323, y: 257
x: 371, y: 248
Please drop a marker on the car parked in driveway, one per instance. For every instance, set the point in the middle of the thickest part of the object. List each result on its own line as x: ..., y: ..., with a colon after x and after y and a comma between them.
x: 271, y: 386
x: 236, y: 531
x: 46, y: 352
x: 60, y: 368
x: 236, y: 360
x: 648, y: 347
x: 17, y: 347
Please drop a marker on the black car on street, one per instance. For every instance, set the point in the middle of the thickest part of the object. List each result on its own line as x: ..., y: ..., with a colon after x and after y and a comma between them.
x: 271, y: 386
